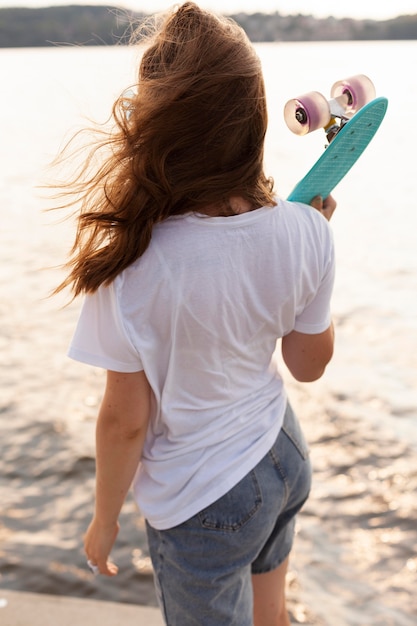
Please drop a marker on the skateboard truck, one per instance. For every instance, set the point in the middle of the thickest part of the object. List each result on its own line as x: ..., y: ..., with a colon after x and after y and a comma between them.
x: 312, y: 110
x: 350, y: 118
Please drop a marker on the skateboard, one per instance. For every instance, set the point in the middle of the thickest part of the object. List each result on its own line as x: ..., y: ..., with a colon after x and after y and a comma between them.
x: 350, y: 119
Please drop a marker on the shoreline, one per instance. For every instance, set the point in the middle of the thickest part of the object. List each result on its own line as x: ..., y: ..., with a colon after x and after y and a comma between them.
x: 354, y: 560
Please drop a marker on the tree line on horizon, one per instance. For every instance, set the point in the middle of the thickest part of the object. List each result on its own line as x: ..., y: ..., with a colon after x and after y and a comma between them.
x: 107, y: 25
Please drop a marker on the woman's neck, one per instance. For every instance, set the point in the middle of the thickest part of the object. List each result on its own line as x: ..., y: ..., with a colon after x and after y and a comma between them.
x: 235, y: 205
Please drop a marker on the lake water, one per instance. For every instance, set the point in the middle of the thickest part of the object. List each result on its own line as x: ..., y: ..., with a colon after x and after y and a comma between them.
x: 48, y: 404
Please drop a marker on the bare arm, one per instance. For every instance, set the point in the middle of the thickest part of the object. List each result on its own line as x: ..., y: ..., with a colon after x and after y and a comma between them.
x: 121, y: 429
x: 306, y: 356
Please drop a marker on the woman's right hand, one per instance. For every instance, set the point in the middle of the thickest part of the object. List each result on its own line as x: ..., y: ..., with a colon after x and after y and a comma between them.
x: 325, y: 207
x: 98, y: 542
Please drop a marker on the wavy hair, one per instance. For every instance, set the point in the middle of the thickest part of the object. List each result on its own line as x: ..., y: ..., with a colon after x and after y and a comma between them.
x: 189, y: 138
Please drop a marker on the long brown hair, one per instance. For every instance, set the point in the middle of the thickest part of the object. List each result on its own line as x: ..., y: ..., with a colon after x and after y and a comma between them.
x: 190, y: 137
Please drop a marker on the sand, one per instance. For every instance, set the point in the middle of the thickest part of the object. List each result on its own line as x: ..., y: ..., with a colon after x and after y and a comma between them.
x: 30, y: 609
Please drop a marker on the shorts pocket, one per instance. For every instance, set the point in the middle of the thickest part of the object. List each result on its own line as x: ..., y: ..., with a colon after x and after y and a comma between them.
x: 235, y: 508
x: 292, y: 429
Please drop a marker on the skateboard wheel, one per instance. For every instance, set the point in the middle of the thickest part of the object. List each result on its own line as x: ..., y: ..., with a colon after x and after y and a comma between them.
x: 307, y: 113
x: 354, y: 92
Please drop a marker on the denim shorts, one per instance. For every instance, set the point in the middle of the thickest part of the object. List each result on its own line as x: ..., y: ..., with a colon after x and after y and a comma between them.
x: 203, y: 566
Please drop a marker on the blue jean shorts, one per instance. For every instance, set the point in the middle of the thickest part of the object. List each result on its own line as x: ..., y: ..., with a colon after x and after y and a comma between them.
x: 203, y: 567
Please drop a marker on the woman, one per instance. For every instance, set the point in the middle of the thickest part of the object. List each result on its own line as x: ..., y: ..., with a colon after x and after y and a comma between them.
x: 192, y: 271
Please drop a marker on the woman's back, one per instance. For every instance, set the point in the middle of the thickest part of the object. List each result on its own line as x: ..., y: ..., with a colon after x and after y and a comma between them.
x: 201, y: 312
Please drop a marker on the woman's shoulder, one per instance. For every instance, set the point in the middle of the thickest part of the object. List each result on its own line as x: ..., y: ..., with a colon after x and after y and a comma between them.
x: 302, y: 213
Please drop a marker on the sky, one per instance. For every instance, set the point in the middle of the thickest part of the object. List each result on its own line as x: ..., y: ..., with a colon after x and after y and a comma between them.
x: 320, y: 8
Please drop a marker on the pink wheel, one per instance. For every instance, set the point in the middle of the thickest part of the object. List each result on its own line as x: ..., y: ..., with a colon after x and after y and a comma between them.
x: 354, y: 92
x: 307, y: 113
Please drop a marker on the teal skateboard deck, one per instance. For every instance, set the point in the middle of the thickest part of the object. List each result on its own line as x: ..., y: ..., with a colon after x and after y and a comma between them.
x: 342, y: 152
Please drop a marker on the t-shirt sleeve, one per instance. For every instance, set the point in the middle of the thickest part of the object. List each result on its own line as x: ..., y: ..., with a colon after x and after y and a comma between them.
x: 100, y: 338
x: 315, y: 318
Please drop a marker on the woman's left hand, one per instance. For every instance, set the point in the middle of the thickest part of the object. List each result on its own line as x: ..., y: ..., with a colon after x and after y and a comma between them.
x: 98, y: 542
x: 326, y: 207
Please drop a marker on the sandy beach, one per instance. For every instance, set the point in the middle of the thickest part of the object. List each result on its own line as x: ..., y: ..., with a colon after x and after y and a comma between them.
x: 19, y: 608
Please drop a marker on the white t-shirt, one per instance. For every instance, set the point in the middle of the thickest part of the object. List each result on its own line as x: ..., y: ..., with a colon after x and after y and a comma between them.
x: 200, y: 312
